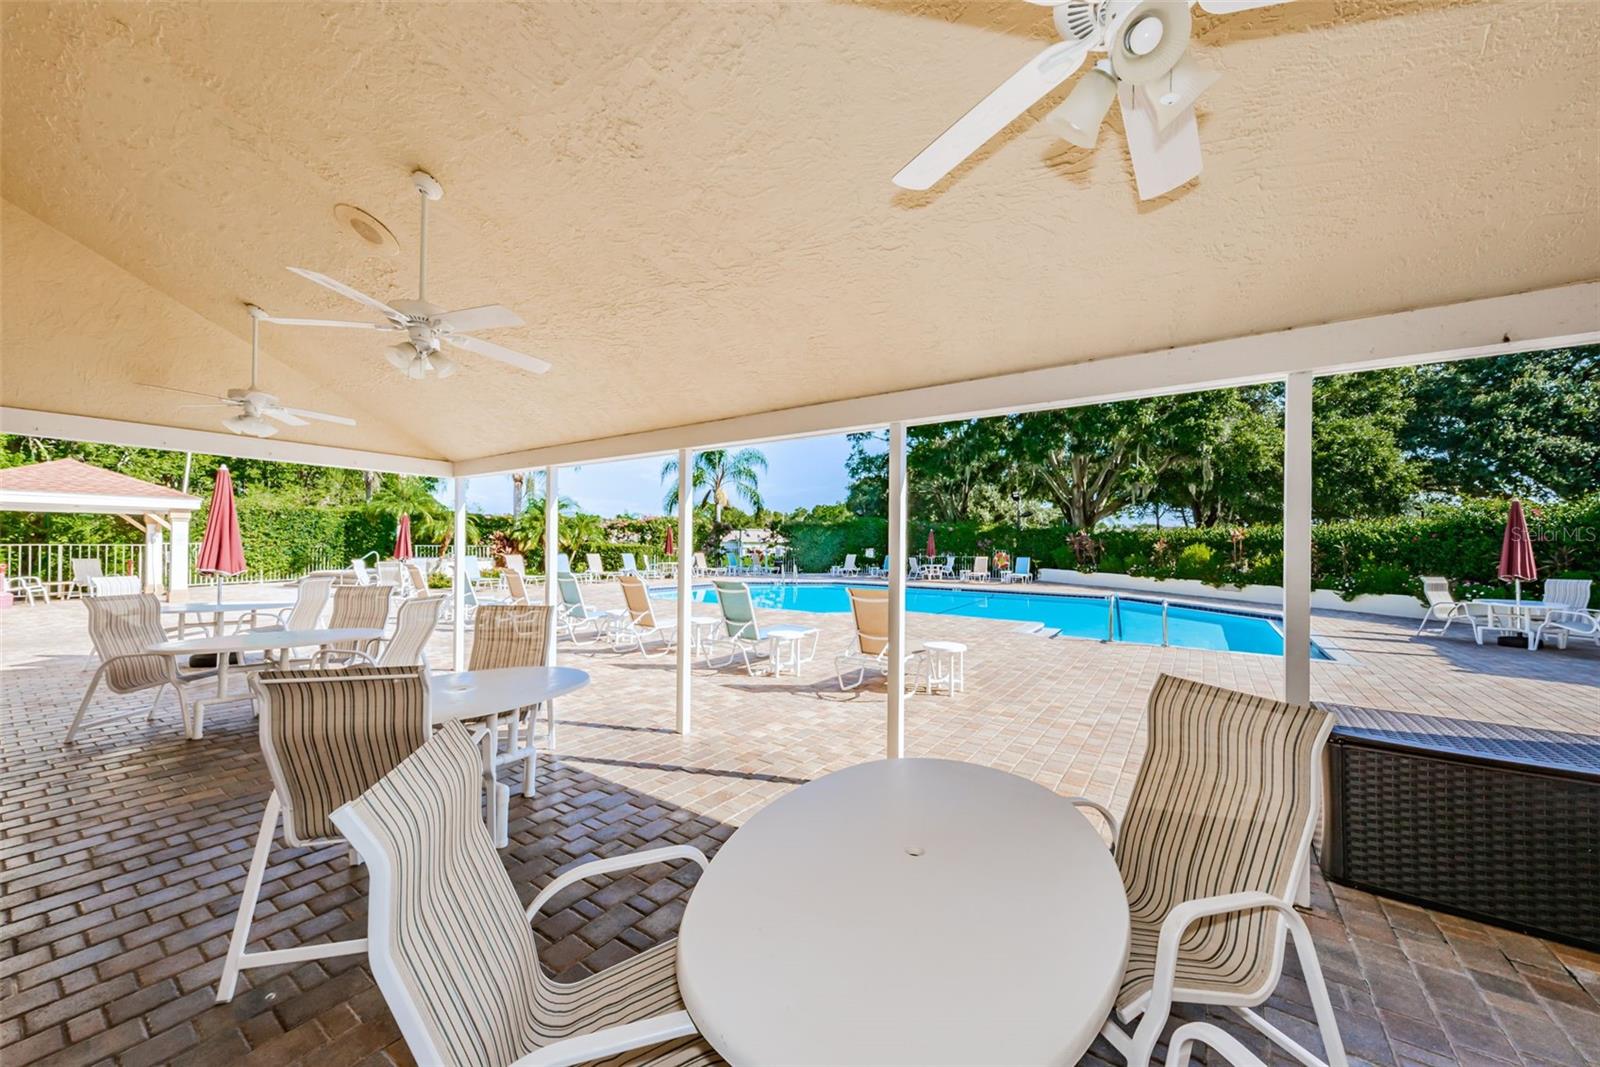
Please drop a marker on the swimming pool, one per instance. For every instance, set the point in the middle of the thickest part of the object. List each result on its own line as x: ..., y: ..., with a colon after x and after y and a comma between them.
x: 1135, y: 620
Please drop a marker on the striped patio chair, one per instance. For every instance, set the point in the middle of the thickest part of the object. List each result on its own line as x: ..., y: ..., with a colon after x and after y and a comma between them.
x: 326, y: 737
x: 355, y: 607
x: 414, y: 624
x: 121, y: 628
x: 1212, y: 848
x: 643, y: 622
x: 742, y: 634
x: 515, y: 635
x: 869, y: 646
x: 451, y: 946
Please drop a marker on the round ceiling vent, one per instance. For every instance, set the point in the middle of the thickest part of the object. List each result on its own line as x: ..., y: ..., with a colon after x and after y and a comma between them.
x: 374, y: 235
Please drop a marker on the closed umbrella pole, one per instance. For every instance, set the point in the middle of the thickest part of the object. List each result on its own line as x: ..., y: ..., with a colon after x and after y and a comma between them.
x: 402, y: 538
x: 222, y: 548
x: 1516, y: 551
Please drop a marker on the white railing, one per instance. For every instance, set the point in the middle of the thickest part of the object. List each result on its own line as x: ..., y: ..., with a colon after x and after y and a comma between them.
x: 434, y: 551
x: 53, y: 562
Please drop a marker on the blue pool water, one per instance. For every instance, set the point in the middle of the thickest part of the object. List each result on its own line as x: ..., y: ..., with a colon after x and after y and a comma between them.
x: 1137, y: 621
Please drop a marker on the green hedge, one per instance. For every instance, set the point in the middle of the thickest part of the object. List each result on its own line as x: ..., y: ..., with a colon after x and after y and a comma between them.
x: 1460, y: 542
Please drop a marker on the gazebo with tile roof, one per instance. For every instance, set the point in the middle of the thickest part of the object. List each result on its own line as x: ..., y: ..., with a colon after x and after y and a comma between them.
x: 73, y: 487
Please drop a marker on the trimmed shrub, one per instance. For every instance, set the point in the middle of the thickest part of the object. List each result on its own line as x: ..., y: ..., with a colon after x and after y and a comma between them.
x: 1195, y: 562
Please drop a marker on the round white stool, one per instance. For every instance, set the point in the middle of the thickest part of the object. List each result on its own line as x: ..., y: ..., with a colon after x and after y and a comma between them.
x: 947, y: 666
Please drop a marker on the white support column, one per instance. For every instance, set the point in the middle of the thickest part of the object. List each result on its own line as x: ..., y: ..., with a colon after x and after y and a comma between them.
x: 685, y: 585
x: 152, y: 555
x: 552, y: 543
x: 1297, y: 539
x: 896, y: 561
x: 458, y: 580
x: 178, y: 582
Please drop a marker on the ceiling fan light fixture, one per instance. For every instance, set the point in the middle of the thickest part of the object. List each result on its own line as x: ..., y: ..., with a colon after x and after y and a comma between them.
x: 1171, y: 96
x: 1080, y: 115
x: 443, y: 366
x: 1148, y: 41
x: 249, y: 425
x: 400, y: 356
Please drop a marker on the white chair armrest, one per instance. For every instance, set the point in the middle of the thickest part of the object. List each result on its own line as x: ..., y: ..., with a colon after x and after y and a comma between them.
x: 615, y: 863
x: 611, y: 1041
x: 1184, y: 1037
x: 1105, y: 813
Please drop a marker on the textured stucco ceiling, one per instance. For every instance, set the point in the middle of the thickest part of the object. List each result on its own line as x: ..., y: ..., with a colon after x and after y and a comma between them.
x: 690, y: 203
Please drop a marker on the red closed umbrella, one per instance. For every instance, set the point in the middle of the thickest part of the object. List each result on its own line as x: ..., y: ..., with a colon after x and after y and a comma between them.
x: 1516, y: 550
x: 671, y: 548
x: 930, y: 542
x: 221, y: 549
x: 402, y: 539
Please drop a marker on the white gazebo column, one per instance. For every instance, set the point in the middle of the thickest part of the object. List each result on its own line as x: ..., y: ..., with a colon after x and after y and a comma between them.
x: 896, y: 562
x: 178, y: 580
x: 685, y: 584
x: 458, y: 580
x: 552, y: 540
x: 152, y: 555
x: 1297, y: 539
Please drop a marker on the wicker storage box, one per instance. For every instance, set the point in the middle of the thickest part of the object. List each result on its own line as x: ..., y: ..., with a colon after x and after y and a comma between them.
x: 1504, y: 828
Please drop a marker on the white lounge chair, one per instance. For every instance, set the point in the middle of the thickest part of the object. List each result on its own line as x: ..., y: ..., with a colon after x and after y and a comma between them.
x: 642, y: 622
x: 355, y: 607
x: 1442, y: 607
x: 121, y: 628
x: 848, y: 568
x: 310, y: 598
x: 451, y: 947
x: 979, y: 571
x: 326, y: 736
x: 1212, y: 848
x: 391, y: 572
x: 629, y: 564
x: 596, y: 566
x: 743, y: 634
x: 1571, y: 618
x: 869, y: 646
x: 575, y: 613
x: 1022, y: 572
x: 359, y: 571
x: 515, y: 562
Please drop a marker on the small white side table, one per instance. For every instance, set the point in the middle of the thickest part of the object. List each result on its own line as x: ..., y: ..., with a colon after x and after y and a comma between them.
x: 702, y: 629
x: 787, y: 644
x: 947, y: 666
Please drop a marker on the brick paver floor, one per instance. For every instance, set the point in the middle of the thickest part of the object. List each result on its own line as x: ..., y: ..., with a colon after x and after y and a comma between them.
x: 123, y: 857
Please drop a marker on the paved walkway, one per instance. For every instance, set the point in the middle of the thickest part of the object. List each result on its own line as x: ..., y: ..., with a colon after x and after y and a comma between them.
x: 123, y: 857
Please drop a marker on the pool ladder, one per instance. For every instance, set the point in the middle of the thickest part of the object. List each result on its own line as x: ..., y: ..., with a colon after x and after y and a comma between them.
x: 1112, y: 602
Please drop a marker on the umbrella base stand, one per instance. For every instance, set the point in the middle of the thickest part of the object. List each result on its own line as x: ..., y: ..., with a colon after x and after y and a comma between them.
x: 1513, y: 640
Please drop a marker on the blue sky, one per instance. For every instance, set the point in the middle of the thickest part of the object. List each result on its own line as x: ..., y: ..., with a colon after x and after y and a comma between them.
x: 801, y: 472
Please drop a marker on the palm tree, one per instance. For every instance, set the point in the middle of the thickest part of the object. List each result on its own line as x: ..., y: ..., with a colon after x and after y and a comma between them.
x: 721, y: 474
x: 434, y: 523
x: 580, y: 533
x: 529, y: 526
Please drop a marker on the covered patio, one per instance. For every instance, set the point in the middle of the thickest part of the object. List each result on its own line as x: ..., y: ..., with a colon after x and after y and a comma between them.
x: 682, y: 312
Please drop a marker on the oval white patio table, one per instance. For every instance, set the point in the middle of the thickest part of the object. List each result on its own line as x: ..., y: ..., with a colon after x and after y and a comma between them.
x: 911, y: 911
x: 251, y: 641
x: 488, y: 694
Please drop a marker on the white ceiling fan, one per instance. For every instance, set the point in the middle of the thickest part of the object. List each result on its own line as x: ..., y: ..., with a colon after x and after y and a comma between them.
x: 1147, y: 68
x: 257, y: 408
x: 426, y: 326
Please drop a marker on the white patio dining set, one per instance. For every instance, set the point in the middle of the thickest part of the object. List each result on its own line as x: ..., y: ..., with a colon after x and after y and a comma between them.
x: 1561, y: 615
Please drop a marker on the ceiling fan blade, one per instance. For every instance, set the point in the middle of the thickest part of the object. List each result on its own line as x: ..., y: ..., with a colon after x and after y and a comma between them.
x: 186, y: 392
x: 1163, y: 159
x: 340, y: 323
x: 345, y: 291
x: 992, y: 114
x: 487, y: 317
x: 493, y: 351
x: 207, y: 407
x: 1228, y: 7
x: 315, y: 416
x: 287, y: 416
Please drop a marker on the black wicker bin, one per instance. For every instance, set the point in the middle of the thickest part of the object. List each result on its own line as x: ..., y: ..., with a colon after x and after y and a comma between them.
x: 1495, y: 823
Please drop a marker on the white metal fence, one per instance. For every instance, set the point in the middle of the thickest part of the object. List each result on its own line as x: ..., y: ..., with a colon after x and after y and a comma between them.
x: 53, y: 562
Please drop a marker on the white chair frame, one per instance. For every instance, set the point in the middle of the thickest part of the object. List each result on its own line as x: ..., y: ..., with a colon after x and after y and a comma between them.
x: 1181, y: 1044
x: 1442, y: 606
x: 174, y: 677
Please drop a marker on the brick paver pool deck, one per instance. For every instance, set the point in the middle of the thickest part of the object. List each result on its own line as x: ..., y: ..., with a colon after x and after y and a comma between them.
x: 123, y: 856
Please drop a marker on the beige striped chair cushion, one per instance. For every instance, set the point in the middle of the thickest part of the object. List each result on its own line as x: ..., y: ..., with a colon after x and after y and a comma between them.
x: 1222, y: 804
x: 123, y: 626
x: 328, y: 735
x: 461, y: 943
x: 509, y: 635
x: 359, y: 607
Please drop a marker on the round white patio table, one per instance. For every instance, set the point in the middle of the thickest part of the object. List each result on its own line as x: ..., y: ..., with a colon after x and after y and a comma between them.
x: 1521, y: 613
x: 222, y: 645
x: 217, y: 609
x: 489, y: 694
x: 910, y: 911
